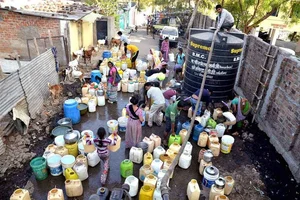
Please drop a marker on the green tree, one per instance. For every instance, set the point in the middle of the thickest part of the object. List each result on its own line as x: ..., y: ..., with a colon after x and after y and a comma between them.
x: 108, y: 8
x: 249, y: 14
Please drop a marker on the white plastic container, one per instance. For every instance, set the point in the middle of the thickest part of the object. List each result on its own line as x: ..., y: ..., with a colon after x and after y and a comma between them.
x: 171, y: 57
x: 47, y: 154
x: 20, y: 194
x: 55, y: 165
x: 204, y: 120
x: 185, y: 160
x: 55, y: 194
x: 132, y: 73
x: 136, y: 86
x: 112, y: 126
x: 67, y: 161
x: 226, y: 145
x: 124, y: 86
x: 81, y: 170
x: 156, y: 139
x: 150, y: 144
x: 73, y: 188
x: 157, y: 192
x: 158, y: 151
x: 101, y: 100
x: 59, y: 141
x: 92, y: 91
x: 130, y: 87
x: 136, y: 155
x: 150, y: 180
x: 119, y: 86
x: 188, y: 148
x: 193, y: 190
x: 156, y: 165
x: 125, y: 75
x: 122, y: 121
x: 133, y: 183
x: 175, y: 147
x: 220, y: 129
x: 210, y: 175
x: 93, y: 158
x: 124, y: 66
x: 161, y: 174
x: 92, y: 106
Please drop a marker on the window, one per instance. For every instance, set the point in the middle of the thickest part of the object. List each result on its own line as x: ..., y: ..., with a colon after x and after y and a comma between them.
x: 275, y: 13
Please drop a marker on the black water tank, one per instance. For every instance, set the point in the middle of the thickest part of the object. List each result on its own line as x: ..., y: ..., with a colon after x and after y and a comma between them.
x: 223, y: 66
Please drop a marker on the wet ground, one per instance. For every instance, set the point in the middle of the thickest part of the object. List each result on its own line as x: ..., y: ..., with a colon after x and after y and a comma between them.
x: 259, y: 172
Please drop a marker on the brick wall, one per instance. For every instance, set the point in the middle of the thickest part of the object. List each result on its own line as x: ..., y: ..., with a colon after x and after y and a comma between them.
x: 279, y: 111
x: 16, y: 28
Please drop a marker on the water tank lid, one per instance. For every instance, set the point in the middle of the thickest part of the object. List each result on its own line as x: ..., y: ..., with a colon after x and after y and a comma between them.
x: 70, y: 102
x: 207, y: 36
x: 96, y: 71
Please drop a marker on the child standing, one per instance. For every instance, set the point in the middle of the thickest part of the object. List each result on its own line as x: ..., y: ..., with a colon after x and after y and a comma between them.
x: 102, y: 144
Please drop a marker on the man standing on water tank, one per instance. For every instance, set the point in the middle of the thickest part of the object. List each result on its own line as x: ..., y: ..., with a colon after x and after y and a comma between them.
x: 225, y: 19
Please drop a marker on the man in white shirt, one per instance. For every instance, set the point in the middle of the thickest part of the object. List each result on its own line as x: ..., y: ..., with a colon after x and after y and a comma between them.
x: 123, y: 38
x: 154, y: 95
x: 225, y: 19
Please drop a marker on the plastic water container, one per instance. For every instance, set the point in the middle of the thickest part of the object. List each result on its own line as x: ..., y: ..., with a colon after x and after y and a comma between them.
x: 131, y: 87
x: 72, y: 149
x: 144, y: 171
x: 174, y: 138
x: 103, y: 193
x: 156, y: 165
x: 91, y: 106
x: 55, y: 165
x: 158, y: 151
x: 156, y: 139
x: 146, y: 192
x: 193, y: 190
x: 211, y: 139
x: 67, y: 161
x: 93, y: 158
x: 124, y: 66
x: 20, y: 194
x: 215, y: 148
x: 185, y: 160
x: 122, y: 121
x: 136, y: 86
x: 84, y: 91
x: 133, y: 183
x: 150, y: 144
x: 226, y: 145
x: 220, y: 129
x: 82, y: 159
x: 202, y: 140
x: 197, y: 130
x: 101, y: 100
x: 81, y: 170
x: 164, y: 157
x: 211, y: 173
x: 116, y: 147
x: 182, y: 134
x: 73, y: 188
x: 157, y: 192
x: 229, y: 183
x: 167, y: 165
x: 160, y: 176
x: 186, y: 125
x: 126, y: 168
x: 148, y: 158
x: 70, y: 174
x: 61, y: 150
x: 39, y: 168
x: 124, y: 86
x: 55, y: 194
x: 136, y: 155
x: 188, y: 148
x: 71, y: 111
x: 175, y: 147
x: 143, y: 146
x: 59, y: 140
x: 217, y: 188
x: 106, y: 54
x: 112, y: 126
x: 150, y: 180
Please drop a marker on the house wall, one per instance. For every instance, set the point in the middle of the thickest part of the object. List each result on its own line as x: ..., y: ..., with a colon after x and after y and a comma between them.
x: 87, y: 34
x: 74, y: 37
x: 17, y: 28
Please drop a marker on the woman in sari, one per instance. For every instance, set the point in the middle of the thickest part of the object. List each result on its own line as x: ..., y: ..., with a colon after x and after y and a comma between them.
x: 134, y: 125
x: 112, y: 88
x: 165, y: 49
x: 241, y: 108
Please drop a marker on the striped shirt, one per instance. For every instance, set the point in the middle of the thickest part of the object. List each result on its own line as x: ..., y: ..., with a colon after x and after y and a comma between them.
x: 102, y: 151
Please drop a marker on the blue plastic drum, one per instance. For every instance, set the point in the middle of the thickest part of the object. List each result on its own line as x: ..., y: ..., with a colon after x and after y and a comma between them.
x: 106, y: 54
x: 197, y: 130
x: 71, y: 111
x: 94, y: 74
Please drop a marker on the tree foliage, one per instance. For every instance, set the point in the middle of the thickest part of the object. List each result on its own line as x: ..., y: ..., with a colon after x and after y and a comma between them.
x: 249, y: 14
x: 108, y: 8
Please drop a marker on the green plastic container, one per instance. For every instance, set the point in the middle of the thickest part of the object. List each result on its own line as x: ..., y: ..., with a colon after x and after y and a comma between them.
x: 173, y: 139
x: 126, y: 167
x: 211, y: 123
x: 39, y: 168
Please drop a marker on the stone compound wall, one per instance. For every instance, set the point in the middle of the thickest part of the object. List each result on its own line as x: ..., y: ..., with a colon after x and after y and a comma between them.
x: 279, y: 111
x: 16, y: 29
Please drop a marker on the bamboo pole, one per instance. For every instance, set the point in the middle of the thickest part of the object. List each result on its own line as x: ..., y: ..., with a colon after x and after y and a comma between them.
x: 164, y: 181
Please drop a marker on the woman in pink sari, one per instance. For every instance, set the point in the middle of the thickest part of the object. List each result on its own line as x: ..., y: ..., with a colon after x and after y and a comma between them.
x: 165, y: 47
x: 134, y: 125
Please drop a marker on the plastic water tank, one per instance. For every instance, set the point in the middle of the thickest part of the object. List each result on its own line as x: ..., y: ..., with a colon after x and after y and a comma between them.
x: 71, y: 111
x: 106, y: 54
x: 223, y: 66
x: 94, y: 74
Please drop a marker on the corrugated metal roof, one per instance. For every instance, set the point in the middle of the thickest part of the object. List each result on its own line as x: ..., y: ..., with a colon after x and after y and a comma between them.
x: 11, y: 93
x: 35, y: 77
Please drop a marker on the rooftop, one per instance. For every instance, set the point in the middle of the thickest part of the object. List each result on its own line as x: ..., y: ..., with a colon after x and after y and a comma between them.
x: 58, y: 9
